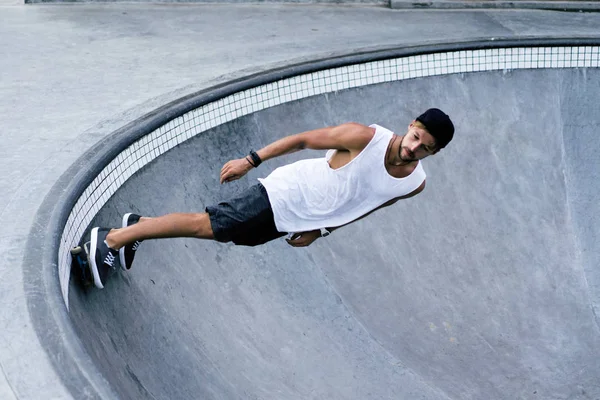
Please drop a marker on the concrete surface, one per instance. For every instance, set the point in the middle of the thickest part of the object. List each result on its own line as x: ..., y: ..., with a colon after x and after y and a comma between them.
x: 558, y: 5
x: 70, y: 75
x: 569, y: 5
x: 474, y: 289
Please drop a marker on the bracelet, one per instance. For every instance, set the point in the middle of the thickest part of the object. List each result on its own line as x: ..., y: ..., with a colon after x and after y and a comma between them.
x: 250, y: 162
x: 255, y: 159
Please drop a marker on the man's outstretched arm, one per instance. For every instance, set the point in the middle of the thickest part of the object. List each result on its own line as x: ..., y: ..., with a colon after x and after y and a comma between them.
x: 387, y: 204
x: 350, y: 136
x: 303, y: 239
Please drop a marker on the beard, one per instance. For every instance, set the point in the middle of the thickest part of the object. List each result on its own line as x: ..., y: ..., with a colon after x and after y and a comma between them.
x: 410, y: 157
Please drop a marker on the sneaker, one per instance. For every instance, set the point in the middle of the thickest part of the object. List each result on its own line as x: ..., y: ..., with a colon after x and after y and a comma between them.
x: 103, y: 259
x: 127, y: 252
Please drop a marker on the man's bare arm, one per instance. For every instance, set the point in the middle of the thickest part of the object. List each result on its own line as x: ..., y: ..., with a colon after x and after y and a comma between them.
x: 386, y: 204
x: 303, y: 239
x: 350, y: 136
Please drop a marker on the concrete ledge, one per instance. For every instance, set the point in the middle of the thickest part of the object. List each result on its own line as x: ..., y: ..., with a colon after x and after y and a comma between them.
x: 385, y: 3
x: 574, y: 6
x: 497, y: 4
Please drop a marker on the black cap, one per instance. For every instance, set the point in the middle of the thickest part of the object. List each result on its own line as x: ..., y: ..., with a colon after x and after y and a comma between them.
x: 438, y: 124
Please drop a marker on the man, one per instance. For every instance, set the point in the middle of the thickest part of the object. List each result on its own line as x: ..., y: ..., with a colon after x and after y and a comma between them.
x: 365, y: 169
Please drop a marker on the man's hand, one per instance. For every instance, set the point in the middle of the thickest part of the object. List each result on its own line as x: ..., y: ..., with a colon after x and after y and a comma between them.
x: 235, y: 169
x: 303, y: 239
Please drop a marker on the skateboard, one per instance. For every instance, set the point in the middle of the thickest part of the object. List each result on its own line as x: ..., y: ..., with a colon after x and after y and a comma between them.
x: 80, y: 264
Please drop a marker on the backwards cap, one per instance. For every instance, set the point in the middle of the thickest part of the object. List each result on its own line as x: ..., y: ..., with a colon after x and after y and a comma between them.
x: 438, y: 124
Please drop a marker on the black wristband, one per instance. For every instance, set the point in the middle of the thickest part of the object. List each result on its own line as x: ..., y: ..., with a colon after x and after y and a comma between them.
x: 255, y: 159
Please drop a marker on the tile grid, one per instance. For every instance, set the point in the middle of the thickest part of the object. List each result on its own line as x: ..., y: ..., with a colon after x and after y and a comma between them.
x: 255, y: 99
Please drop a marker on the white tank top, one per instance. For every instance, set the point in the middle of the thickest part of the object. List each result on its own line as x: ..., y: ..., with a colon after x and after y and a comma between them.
x: 309, y: 194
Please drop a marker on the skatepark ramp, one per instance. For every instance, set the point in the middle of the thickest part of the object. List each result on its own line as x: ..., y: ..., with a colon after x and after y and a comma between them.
x: 485, y: 286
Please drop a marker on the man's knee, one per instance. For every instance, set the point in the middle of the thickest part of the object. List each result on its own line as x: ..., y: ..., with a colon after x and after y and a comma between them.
x: 203, y: 227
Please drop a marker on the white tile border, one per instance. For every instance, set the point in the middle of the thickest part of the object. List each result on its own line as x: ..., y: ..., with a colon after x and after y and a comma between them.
x: 221, y: 111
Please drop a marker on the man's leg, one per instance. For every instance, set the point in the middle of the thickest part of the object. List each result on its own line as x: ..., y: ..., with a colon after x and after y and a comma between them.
x: 168, y: 226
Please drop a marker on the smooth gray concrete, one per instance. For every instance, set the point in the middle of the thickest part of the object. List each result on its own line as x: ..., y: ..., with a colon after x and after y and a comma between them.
x: 71, y: 75
x: 477, y: 288
x: 568, y: 5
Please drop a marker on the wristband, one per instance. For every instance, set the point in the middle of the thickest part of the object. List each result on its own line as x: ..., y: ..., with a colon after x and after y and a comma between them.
x: 255, y: 159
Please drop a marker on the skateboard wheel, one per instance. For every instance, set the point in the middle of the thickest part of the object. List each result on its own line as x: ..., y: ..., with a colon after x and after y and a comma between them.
x: 76, y: 250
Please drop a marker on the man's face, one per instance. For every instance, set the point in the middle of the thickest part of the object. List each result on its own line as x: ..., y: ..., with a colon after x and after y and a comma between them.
x: 416, y: 144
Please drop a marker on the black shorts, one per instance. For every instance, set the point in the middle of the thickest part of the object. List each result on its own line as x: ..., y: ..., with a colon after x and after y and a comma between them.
x: 245, y: 220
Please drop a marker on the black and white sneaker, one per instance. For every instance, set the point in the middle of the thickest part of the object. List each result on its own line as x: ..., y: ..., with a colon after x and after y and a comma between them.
x: 127, y: 252
x: 103, y: 259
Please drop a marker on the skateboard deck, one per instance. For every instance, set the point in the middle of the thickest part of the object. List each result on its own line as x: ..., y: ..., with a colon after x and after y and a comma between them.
x: 80, y: 264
